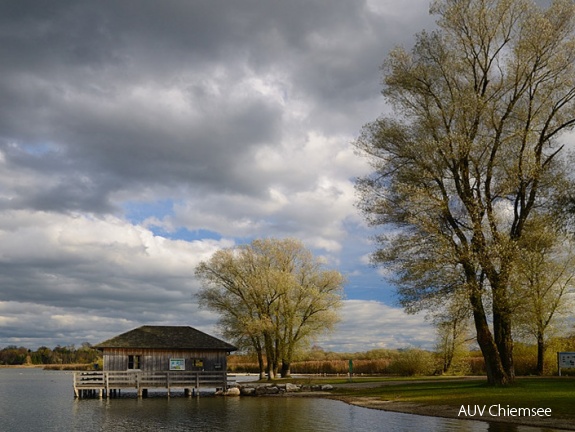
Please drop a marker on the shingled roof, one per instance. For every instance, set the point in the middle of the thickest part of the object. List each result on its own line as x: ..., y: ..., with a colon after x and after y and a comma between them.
x: 166, y: 337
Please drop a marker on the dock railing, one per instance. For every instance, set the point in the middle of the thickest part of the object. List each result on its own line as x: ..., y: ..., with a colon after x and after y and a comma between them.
x: 108, y: 383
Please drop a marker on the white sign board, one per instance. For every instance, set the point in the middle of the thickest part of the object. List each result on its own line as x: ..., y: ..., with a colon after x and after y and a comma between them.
x: 565, y: 360
x: 177, y: 364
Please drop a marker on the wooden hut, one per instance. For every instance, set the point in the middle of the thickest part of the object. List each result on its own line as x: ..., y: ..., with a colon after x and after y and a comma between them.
x: 159, y: 357
x: 165, y: 348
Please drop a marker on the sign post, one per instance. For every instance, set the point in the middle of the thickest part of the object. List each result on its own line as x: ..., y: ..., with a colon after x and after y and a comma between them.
x: 350, y: 369
x: 565, y: 360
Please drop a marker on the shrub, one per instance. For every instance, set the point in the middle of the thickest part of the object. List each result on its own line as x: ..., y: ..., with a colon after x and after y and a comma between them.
x: 413, y: 362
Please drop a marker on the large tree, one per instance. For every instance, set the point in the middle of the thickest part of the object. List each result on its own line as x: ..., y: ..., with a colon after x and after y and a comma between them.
x: 470, y: 154
x: 273, y: 294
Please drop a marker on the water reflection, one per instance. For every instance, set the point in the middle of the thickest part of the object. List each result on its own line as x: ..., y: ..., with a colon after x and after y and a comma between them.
x: 35, y: 400
x: 277, y: 414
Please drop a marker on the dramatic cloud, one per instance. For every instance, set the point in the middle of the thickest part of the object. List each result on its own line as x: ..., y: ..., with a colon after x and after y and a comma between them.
x: 138, y: 137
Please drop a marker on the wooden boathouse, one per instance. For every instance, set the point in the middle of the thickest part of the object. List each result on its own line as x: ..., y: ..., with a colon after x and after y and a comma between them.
x: 157, y: 357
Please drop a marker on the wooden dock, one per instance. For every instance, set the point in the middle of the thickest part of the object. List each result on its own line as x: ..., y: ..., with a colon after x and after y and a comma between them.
x: 109, y: 384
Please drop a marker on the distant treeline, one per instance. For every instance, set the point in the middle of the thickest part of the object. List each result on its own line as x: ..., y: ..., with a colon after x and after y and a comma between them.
x: 409, y: 362
x: 14, y: 355
x: 405, y: 362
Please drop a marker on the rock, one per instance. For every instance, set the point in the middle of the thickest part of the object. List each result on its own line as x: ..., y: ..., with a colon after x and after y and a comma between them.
x: 268, y: 389
x: 263, y: 390
x: 234, y: 391
x: 327, y: 387
x: 247, y: 391
x: 290, y: 388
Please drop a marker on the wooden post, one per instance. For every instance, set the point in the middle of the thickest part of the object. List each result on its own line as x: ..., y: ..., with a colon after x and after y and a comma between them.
x: 76, y: 394
x: 168, y: 382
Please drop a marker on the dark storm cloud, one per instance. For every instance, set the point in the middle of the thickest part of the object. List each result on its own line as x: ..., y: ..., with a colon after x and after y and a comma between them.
x: 94, y: 80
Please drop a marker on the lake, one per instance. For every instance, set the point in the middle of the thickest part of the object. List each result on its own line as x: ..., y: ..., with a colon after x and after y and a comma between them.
x: 37, y: 400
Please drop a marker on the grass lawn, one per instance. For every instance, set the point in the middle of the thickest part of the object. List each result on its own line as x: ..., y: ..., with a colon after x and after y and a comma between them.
x: 552, y: 392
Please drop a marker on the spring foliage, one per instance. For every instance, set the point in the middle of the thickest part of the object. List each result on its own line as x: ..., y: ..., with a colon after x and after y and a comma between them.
x: 272, y: 296
x: 471, y: 155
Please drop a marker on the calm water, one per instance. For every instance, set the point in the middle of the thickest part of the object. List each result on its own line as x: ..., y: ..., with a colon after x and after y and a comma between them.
x: 36, y: 400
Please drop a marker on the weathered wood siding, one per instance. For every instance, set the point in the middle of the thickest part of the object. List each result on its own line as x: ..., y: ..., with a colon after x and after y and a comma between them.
x: 116, y: 359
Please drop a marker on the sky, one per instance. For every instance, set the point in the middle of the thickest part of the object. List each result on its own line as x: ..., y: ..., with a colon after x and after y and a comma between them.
x: 137, y: 137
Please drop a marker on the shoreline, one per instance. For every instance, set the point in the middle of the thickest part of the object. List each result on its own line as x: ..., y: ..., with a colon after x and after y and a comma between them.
x: 51, y: 366
x: 447, y: 411
x: 24, y: 366
x: 443, y: 411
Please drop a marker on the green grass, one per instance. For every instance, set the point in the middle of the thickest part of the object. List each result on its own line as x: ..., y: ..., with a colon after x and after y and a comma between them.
x: 342, y: 379
x: 555, y: 393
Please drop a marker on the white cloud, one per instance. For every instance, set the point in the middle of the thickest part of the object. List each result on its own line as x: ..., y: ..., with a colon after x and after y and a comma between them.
x: 70, y: 279
x: 66, y: 270
x: 367, y: 325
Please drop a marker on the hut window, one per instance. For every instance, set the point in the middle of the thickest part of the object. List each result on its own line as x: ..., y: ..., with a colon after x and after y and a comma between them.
x: 198, y: 363
x: 134, y: 362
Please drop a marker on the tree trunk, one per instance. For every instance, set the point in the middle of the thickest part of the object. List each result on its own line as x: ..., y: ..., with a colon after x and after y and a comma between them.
x: 447, y: 363
x: 270, y: 357
x: 261, y: 364
x: 502, y: 322
x: 496, y: 374
x: 540, y: 353
x: 287, y: 357
x: 277, y: 356
x: 285, y: 372
x: 450, y: 349
x: 504, y: 342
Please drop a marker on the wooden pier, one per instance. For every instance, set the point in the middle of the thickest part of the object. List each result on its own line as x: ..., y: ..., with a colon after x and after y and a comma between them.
x: 108, y: 384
